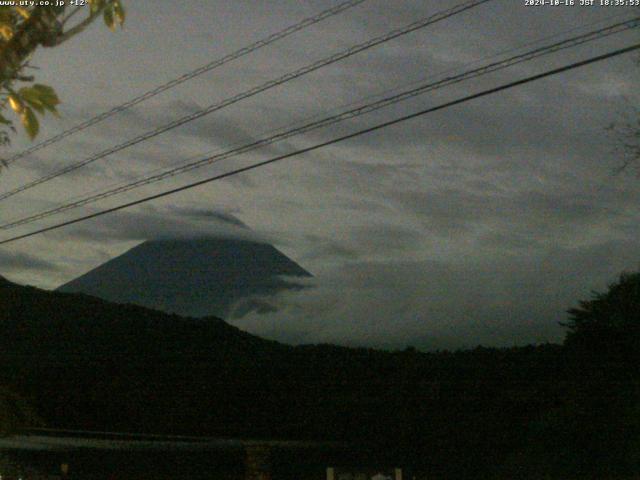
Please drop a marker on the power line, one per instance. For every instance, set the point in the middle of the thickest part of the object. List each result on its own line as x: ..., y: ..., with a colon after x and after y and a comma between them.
x: 335, y: 140
x: 307, y: 22
x: 437, y: 17
x: 333, y: 119
x: 369, y: 97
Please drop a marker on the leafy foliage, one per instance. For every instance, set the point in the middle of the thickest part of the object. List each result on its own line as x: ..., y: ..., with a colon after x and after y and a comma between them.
x: 23, y: 29
x: 608, y: 325
x: 528, y: 412
x: 594, y: 432
x: 105, y: 366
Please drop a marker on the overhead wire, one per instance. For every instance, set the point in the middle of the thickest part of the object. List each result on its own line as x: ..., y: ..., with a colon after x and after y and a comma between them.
x: 419, y: 24
x: 339, y: 117
x: 333, y: 141
x: 369, y: 97
x: 307, y: 22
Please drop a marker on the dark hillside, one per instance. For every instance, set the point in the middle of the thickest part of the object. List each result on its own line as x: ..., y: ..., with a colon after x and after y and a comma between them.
x: 90, y: 364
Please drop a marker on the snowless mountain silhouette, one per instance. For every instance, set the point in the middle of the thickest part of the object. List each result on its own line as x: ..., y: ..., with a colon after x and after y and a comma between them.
x: 198, y: 277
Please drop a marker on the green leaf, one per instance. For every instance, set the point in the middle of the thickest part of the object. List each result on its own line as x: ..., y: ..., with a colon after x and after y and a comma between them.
x: 6, y: 31
x: 96, y: 5
x: 30, y: 123
x: 15, y: 102
x: 23, y: 12
x: 52, y: 109
x: 32, y: 97
x: 118, y: 12
x: 46, y: 94
x: 29, y: 94
x: 38, y: 107
x: 109, y: 19
x: 40, y: 97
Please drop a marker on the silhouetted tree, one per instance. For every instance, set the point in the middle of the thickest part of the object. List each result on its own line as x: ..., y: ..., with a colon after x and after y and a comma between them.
x: 607, y: 327
x: 627, y: 133
x: 593, y: 429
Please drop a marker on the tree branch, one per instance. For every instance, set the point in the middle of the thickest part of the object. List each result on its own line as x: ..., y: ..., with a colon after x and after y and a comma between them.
x: 70, y: 16
x: 77, y: 28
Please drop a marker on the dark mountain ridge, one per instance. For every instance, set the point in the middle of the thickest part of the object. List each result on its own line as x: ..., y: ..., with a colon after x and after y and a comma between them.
x: 89, y: 364
x: 194, y: 277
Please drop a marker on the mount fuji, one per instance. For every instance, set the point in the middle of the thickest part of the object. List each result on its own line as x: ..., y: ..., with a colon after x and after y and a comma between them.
x: 208, y: 276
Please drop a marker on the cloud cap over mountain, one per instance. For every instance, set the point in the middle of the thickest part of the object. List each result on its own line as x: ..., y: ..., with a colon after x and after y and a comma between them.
x: 194, y: 277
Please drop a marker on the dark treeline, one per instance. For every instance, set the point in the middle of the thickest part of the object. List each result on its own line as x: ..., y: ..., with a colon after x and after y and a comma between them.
x: 568, y: 411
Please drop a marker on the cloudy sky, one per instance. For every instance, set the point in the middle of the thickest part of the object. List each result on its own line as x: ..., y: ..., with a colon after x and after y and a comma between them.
x: 478, y: 224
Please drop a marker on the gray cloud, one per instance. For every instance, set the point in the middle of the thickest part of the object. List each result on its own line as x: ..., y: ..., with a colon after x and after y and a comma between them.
x: 152, y: 223
x: 18, y: 261
x: 507, y: 301
x: 476, y: 224
x: 207, y: 214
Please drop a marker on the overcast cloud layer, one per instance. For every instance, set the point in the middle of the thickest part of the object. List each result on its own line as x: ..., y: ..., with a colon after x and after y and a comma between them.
x: 481, y: 223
